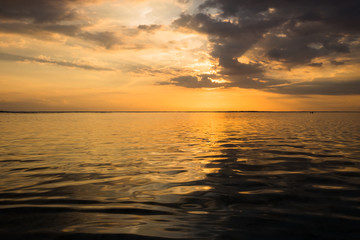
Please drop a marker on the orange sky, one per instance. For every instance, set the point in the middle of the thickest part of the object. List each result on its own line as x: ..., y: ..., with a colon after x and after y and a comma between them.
x: 165, y: 55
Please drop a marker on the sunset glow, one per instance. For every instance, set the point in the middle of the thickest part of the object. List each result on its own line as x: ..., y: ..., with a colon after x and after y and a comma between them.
x: 177, y: 55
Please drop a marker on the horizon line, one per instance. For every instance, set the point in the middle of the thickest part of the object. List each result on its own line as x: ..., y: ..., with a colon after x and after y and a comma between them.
x: 184, y: 111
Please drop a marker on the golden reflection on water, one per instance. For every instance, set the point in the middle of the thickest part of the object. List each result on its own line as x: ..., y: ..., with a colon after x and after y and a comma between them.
x: 174, y: 174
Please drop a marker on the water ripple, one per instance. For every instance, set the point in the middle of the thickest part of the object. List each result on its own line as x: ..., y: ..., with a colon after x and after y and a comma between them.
x: 180, y: 176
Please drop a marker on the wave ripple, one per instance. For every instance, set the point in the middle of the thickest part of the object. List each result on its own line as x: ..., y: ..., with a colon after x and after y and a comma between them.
x: 180, y: 176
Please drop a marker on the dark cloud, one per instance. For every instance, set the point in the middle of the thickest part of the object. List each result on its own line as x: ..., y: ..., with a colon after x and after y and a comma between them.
x: 294, y: 33
x: 340, y: 15
x: 105, y: 39
x: 230, y: 41
x: 309, y: 29
x: 18, y: 58
x: 39, y: 29
x: 201, y: 81
x: 41, y: 18
x: 40, y: 11
x: 204, y: 81
x: 149, y: 28
x: 253, y: 82
x: 336, y: 63
x: 320, y: 87
x: 319, y: 64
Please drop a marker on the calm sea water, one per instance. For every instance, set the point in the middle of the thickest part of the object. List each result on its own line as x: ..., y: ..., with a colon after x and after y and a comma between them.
x: 180, y: 176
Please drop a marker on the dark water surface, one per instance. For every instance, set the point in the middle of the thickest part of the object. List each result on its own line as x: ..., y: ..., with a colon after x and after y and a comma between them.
x: 180, y: 176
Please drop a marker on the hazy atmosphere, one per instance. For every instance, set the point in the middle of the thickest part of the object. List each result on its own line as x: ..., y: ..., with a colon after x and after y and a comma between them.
x: 126, y: 55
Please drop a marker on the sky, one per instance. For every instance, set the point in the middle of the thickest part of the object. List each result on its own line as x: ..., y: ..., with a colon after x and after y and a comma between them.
x: 179, y: 55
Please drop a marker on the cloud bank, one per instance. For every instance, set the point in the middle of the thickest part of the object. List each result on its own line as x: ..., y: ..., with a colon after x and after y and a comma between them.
x: 280, y: 34
x: 44, y: 18
x: 251, y: 44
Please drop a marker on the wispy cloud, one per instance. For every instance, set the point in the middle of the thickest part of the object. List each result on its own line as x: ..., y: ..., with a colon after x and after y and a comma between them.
x: 203, y: 81
x: 18, y: 58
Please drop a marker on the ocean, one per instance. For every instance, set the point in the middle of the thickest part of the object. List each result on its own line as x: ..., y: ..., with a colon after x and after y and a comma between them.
x: 180, y: 175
